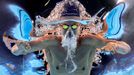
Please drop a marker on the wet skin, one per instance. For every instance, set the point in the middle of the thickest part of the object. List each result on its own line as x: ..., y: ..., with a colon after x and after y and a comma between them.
x: 87, y: 45
x: 56, y: 55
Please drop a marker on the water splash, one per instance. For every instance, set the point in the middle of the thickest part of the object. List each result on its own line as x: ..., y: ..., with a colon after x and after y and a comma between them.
x: 24, y: 26
x: 70, y: 44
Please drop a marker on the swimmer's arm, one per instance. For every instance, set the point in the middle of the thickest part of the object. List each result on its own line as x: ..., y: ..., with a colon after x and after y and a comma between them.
x: 19, y: 47
x: 117, y: 47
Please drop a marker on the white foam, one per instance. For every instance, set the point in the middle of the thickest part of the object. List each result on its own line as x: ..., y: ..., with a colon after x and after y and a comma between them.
x: 70, y: 44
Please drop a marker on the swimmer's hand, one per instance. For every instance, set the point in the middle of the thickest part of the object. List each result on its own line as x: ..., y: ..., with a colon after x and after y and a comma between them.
x: 116, y: 47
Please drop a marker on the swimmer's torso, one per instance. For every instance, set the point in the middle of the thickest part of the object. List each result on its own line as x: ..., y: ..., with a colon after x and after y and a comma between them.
x: 83, y: 57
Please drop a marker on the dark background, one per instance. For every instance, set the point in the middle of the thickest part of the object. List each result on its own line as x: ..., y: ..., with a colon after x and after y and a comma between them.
x: 36, y: 7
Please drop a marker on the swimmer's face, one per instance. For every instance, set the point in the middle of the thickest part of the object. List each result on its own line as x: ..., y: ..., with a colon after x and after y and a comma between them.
x: 70, y: 28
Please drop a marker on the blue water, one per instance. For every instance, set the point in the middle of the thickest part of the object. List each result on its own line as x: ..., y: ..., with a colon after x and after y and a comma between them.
x: 30, y: 64
x: 114, y: 22
x: 4, y: 70
x: 128, y: 71
x: 24, y: 26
